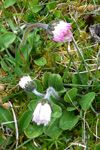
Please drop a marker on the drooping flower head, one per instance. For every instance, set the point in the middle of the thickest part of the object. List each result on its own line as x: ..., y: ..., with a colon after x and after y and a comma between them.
x: 59, y: 31
x: 42, y: 113
x: 27, y: 84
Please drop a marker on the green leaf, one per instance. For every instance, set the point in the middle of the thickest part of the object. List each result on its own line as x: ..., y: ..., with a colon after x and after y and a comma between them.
x: 55, y: 81
x: 34, y: 6
x: 6, y: 39
x: 25, y: 50
x: 25, y: 119
x: 72, y: 94
x: 4, y: 65
x: 6, y: 116
x: 80, y: 79
x: 65, y: 73
x: 86, y: 100
x: 32, y: 3
x: 52, y: 5
x: 11, y: 24
x: 97, y: 147
x: 45, y: 79
x: 30, y: 146
x: 71, y: 108
x: 36, y: 9
x: 40, y: 62
x: 1, y: 140
x: 57, y: 14
x: 68, y: 120
x: 35, y: 38
x: 33, y: 131
x: 32, y: 105
x: 52, y: 80
x: 39, y: 86
x: 2, y: 29
x: 8, y: 3
x: 56, y: 111
x: 53, y: 129
x: 18, y: 58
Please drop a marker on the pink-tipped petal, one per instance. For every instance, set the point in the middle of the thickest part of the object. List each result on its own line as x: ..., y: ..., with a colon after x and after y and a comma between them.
x: 62, y: 32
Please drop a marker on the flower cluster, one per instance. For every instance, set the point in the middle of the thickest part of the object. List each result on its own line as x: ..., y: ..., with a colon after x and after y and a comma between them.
x: 42, y: 112
x: 59, y: 31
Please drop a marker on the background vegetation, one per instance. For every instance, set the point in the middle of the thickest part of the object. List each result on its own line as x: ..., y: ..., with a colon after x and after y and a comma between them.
x: 71, y: 68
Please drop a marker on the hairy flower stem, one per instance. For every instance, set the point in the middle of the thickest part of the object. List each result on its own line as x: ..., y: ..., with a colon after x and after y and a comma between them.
x: 28, y: 29
x: 37, y: 93
x: 51, y: 91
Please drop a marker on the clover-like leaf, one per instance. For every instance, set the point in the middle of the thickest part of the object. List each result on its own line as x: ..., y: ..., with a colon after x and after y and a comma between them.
x: 6, y: 116
x: 68, y: 120
x: 71, y: 94
x: 33, y: 131
x: 25, y: 119
x: 6, y: 39
x: 86, y: 100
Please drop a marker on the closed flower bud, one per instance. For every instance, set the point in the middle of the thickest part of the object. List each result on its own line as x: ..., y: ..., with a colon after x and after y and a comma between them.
x: 42, y: 113
x: 27, y: 84
x: 59, y: 31
x: 6, y: 105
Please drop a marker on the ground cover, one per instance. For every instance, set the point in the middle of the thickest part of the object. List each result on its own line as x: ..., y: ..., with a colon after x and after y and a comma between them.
x: 61, y: 79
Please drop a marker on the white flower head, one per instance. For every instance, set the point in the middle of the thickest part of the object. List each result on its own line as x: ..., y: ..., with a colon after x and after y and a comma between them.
x: 42, y: 113
x: 27, y: 83
x: 24, y: 80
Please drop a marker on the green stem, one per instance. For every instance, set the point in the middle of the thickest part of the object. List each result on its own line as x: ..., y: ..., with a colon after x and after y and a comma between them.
x: 74, y: 65
x: 83, y: 59
x: 80, y: 85
x: 97, y: 66
x: 23, y: 143
x: 65, y: 73
x: 54, y: 60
